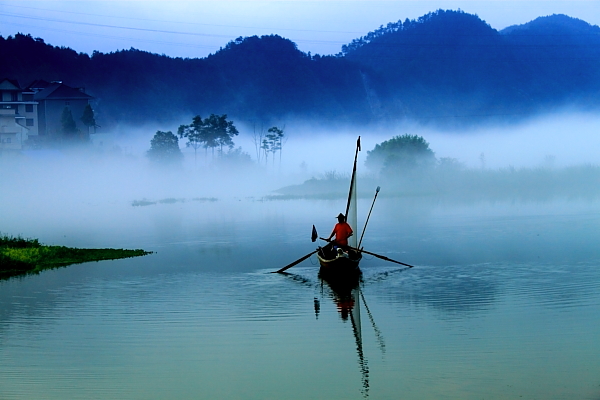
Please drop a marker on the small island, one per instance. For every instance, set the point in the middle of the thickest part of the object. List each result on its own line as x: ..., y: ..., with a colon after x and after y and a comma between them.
x: 19, y: 256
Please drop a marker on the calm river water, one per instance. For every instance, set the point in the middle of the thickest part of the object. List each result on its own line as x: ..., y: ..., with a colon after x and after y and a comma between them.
x: 503, y: 303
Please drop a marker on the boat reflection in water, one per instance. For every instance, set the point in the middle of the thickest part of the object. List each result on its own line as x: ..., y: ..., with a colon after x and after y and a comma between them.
x: 347, y: 296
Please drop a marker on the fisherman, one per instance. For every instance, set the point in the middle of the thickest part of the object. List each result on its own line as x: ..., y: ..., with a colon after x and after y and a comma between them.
x: 342, y: 231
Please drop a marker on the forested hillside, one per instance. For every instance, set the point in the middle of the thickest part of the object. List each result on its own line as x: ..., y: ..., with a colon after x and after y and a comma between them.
x: 450, y: 63
x: 447, y: 68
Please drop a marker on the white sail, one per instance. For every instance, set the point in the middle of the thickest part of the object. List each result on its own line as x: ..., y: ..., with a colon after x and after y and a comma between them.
x: 351, y: 213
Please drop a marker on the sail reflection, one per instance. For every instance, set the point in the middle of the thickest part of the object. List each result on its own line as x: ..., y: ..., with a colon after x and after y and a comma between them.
x: 347, y: 299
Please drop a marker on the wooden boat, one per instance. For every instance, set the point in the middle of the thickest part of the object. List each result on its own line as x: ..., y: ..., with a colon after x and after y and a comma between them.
x: 342, y: 264
x: 340, y: 269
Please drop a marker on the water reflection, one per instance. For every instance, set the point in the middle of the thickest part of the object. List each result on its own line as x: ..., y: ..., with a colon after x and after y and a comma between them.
x: 377, y: 331
x: 347, y: 299
x: 510, y: 318
x: 451, y: 290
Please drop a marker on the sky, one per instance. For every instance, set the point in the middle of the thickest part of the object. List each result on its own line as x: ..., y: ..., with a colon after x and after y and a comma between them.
x: 195, y: 29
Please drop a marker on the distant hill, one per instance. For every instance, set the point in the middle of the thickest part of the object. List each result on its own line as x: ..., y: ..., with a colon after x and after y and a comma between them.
x: 451, y: 63
x: 557, y: 60
x: 446, y: 68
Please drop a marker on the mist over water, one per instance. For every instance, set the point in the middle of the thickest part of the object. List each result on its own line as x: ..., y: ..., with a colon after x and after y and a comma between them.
x: 557, y: 140
x: 65, y: 195
x: 568, y: 138
x: 551, y: 141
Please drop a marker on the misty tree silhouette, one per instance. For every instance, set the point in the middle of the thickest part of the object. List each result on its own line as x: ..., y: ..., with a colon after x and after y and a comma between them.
x: 400, y: 153
x: 68, y: 125
x: 164, y: 148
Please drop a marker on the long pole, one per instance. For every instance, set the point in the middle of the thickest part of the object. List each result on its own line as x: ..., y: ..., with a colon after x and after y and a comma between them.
x: 368, y: 216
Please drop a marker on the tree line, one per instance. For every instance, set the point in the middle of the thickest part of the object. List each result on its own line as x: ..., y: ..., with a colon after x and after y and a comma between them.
x: 445, y: 68
x: 214, y: 132
x: 269, y: 142
x: 210, y: 133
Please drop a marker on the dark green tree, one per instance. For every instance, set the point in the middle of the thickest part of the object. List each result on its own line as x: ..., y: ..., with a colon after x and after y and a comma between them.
x: 401, y: 154
x: 164, y: 148
x: 88, y: 117
x: 69, y: 127
x: 195, y: 133
x: 266, y: 148
x: 272, y: 145
x: 275, y: 139
x: 219, y: 132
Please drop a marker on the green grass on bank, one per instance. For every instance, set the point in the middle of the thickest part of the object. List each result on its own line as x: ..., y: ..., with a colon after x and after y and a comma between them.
x: 20, y: 256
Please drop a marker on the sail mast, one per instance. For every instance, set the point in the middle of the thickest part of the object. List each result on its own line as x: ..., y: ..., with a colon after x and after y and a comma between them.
x: 351, y: 212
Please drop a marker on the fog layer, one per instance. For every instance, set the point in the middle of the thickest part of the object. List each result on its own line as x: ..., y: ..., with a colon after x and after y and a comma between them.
x: 99, y: 186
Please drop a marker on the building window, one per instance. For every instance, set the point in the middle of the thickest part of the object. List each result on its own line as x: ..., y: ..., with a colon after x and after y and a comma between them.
x: 28, y: 107
x: 7, y: 140
x: 14, y: 96
x: 27, y: 97
x: 29, y: 122
x: 67, y: 103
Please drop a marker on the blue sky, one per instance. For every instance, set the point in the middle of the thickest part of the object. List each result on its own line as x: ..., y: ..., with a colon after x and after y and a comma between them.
x: 198, y: 28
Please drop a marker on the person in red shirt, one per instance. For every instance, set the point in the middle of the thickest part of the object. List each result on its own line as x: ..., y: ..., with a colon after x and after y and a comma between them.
x: 342, y: 231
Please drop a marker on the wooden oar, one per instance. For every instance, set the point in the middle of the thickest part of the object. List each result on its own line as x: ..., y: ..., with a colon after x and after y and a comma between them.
x: 298, y: 261
x: 383, y: 257
x: 373, y: 254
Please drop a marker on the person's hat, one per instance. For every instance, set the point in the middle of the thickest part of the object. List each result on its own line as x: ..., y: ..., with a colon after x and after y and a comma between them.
x: 340, y: 215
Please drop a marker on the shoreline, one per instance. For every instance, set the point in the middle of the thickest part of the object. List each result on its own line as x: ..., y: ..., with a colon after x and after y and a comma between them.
x: 19, y: 257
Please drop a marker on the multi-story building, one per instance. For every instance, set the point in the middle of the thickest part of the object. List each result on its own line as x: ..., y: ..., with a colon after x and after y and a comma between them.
x: 18, y: 115
x: 53, y: 98
x: 36, y: 111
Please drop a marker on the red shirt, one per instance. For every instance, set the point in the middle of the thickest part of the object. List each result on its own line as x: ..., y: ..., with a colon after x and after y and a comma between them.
x: 342, y: 232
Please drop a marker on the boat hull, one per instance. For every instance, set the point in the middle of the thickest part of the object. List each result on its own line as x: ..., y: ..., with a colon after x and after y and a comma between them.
x: 340, y: 270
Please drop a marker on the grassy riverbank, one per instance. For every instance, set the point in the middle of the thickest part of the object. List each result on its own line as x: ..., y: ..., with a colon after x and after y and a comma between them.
x: 20, y: 256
